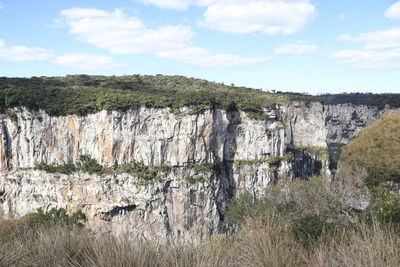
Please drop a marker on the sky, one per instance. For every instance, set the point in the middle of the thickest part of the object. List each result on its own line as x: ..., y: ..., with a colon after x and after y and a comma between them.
x: 312, y: 46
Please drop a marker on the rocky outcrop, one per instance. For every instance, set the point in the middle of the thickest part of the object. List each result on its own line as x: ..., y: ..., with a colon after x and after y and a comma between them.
x: 188, y: 200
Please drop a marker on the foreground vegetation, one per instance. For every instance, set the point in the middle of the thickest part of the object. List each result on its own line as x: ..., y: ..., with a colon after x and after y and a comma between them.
x: 306, y: 224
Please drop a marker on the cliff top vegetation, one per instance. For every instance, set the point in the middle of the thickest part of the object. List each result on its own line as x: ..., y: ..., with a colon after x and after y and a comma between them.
x: 369, y: 99
x: 84, y: 94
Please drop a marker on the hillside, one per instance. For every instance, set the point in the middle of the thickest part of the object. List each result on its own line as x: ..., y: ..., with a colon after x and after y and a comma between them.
x: 376, y: 149
x: 83, y: 94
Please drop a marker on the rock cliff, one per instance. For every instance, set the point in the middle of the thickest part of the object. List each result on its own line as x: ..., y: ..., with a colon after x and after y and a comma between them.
x: 210, y: 158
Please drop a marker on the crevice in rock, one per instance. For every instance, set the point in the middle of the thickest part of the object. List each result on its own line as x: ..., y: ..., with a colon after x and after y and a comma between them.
x: 117, y: 211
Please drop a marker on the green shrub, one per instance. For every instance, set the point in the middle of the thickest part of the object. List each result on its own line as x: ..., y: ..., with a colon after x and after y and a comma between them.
x: 271, y: 160
x: 311, y: 229
x: 240, y: 209
x: 58, y: 217
x: 90, y: 165
x: 315, y: 198
x: 142, y: 171
x: 386, y: 205
x: 207, y: 167
x: 196, y: 179
x: 65, y: 169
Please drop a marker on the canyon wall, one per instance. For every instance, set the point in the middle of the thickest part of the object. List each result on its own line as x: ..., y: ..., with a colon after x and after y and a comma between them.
x: 210, y: 158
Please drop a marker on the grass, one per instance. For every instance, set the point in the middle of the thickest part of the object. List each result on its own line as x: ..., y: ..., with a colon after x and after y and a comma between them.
x: 259, y: 243
x: 298, y: 223
x: 376, y: 150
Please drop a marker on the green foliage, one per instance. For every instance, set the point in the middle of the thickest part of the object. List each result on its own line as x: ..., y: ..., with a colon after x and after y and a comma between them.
x: 311, y: 229
x: 195, y: 179
x: 246, y: 207
x: 64, y: 169
x: 272, y: 160
x: 58, y: 217
x: 368, y: 99
x: 313, y: 210
x: 214, y: 167
x: 315, y: 149
x: 90, y: 165
x: 242, y: 208
x: 386, y: 205
x: 142, y: 171
x: 83, y: 94
x: 376, y: 150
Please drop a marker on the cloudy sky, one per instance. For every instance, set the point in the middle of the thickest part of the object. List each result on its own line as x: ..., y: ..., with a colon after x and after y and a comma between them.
x: 313, y: 46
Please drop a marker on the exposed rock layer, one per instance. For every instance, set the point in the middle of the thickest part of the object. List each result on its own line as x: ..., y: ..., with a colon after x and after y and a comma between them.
x: 185, y: 202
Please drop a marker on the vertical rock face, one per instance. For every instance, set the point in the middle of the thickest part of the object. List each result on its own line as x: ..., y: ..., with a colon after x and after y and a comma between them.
x: 211, y: 157
x: 345, y: 121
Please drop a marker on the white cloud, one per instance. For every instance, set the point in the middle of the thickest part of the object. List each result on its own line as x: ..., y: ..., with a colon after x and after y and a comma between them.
x: 203, y: 57
x: 270, y: 17
x: 248, y: 16
x: 376, y: 40
x: 86, y: 62
x: 23, y: 53
x: 120, y: 34
x: 296, y: 49
x: 393, y: 12
x: 169, y: 4
x: 370, y: 59
x: 381, y: 50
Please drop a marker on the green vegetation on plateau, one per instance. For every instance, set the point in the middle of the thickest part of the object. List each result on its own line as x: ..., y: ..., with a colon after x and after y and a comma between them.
x: 376, y: 150
x: 83, y: 94
x: 368, y: 99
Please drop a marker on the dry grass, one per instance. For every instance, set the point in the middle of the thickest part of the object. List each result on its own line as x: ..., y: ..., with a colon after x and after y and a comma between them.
x: 366, y: 245
x: 266, y: 243
x: 300, y: 223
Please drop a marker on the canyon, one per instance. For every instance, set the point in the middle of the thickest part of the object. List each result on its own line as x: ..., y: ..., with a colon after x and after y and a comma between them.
x: 210, y: 157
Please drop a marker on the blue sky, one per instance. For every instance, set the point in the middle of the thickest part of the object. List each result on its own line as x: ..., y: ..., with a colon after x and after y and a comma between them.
x: 313, y: 46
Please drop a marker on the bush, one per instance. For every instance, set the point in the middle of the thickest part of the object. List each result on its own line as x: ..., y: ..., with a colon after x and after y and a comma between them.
x: 142, y: 171
x: 65, y: 169
x: 58, y: 217
x: 90, y: 165
x: 386, y: 206
x: 214, y: 167
x: 313, y: 210
x: 240, y: 209
x: 312, y: 229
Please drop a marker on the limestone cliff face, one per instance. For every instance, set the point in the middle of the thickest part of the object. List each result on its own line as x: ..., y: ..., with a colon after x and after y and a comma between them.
x: 185, y: 202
